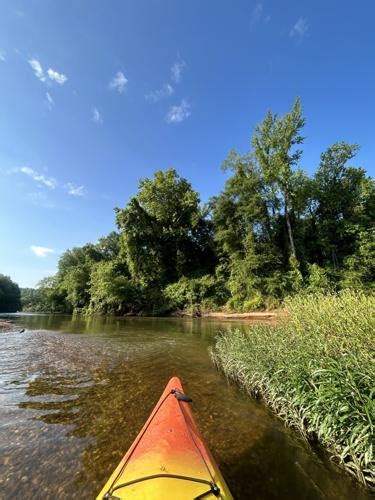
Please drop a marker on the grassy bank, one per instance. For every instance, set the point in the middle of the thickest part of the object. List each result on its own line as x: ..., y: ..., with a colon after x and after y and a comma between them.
x: 315, y: 369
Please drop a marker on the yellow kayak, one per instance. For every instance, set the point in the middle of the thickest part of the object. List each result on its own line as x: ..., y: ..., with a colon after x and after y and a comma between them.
x: 168, y: 459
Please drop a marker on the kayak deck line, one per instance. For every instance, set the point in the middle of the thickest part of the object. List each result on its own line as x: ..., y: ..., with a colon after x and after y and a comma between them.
x: 213, y: 487
x: 168, y: 459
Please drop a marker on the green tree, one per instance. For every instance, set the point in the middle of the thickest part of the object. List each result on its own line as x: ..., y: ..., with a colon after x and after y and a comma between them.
x: 241, y: 207
x: 274, y: 148
x: 111, y: 291
x: 109, y: 246
x: 359, y: 268
x: 30, y: 299
x: 345, y: 204
x: 10, y: 295
x: 51, y: 297
x: 245, y: 232
x: 73, y: 276
x: 164, y: 234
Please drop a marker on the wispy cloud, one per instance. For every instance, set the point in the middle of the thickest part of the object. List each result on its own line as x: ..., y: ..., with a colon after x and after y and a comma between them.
x: 40, y: 251
x: 51, y: 74
x: 75, y: 190
x: 256, y: 14
x: 49, y: 101
x: 38, y: 70
x: 178, y: 113
x: 118, y: 82
x: 156, y: 95
x: 177, y: 69
x: 41, y: 179
x: 39, y: 197
x: 59, y: 78
x: 2, y: 56
x: 96, y: 116
x: 300, y: 28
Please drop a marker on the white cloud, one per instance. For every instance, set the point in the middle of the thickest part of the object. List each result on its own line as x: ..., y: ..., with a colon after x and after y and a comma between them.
x: 49, y: 101
x: 178, y: 113
x: 256, y: 14
x: 2, y: 56
x: 39, y: 198
x: 96, y: 116
x: 300, y: 29
x: 156, y: 95
x: 75, y: 190
x: 59, y: 78
x: 51, y: 73
x: 177, y: 69
x: 38, y: 70
x: 41, y: 251
x: 118, y: 82
x: 37, y: 177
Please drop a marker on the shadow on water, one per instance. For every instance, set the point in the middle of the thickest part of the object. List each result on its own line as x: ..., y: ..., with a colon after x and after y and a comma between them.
x: 74, y: 403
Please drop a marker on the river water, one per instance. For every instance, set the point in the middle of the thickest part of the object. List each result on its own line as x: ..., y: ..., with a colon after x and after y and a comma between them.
x: 75, y: 392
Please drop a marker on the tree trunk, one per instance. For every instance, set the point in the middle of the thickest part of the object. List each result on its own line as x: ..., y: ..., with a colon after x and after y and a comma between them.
x: 290, y: 232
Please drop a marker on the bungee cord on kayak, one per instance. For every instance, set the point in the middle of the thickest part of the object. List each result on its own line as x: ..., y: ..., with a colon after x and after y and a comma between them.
x: 169, y: 447
x: 213, y: 488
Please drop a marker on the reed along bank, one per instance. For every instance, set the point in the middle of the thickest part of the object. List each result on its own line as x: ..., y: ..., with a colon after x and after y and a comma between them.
x: 315, y: 369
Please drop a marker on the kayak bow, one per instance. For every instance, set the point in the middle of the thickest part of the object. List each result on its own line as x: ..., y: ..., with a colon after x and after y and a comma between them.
x: 168, y: 459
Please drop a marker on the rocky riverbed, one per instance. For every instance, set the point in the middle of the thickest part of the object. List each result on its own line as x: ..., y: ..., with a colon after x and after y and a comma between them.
x: 6, y: 326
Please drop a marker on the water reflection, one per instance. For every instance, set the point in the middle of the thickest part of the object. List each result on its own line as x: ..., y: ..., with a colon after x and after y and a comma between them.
x: 76, y: 392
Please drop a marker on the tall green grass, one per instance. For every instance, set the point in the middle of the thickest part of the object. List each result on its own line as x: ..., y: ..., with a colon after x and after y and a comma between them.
x: 315, y: 368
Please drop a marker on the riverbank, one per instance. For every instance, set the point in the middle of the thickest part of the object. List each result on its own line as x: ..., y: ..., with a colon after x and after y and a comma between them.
x: 196, y: 313
x: 315, y: 369
x: 260, y: 315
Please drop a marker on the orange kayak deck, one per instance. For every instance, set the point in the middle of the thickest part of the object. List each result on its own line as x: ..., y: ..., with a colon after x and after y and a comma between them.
x: 168, y: 459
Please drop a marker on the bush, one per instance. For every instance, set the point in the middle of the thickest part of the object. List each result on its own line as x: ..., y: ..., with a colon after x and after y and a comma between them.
x: 359, y: 268
x: 192, y: 293
x: 317, y: 279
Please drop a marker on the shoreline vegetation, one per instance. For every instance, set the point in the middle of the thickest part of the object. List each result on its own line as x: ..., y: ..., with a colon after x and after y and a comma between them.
x: 274, y: 231
x: 222, y: 315
x: 315, y: 369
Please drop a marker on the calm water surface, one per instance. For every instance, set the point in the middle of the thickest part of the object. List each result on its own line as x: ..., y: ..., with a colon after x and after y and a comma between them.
x: 75, y: 392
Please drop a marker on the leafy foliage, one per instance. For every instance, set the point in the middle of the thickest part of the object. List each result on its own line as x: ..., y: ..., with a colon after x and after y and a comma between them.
x: 194, y: 294
x: 10, y: 295
x: 111, y: 291
x: 164, y: 234
x: 273, y: 232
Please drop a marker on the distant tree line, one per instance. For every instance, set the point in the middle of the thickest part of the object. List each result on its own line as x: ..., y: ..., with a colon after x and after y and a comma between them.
x: 10, y: 295
x: 272, y: 232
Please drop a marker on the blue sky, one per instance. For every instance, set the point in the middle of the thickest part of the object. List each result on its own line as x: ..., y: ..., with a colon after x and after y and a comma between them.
x: 96, y: 94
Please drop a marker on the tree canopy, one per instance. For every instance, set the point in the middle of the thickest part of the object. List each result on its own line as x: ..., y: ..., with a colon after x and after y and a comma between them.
x: 273, y: 231
x: 10, y: 295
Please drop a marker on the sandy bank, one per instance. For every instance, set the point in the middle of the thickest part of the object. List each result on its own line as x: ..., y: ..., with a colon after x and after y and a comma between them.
x: 250, y: 315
